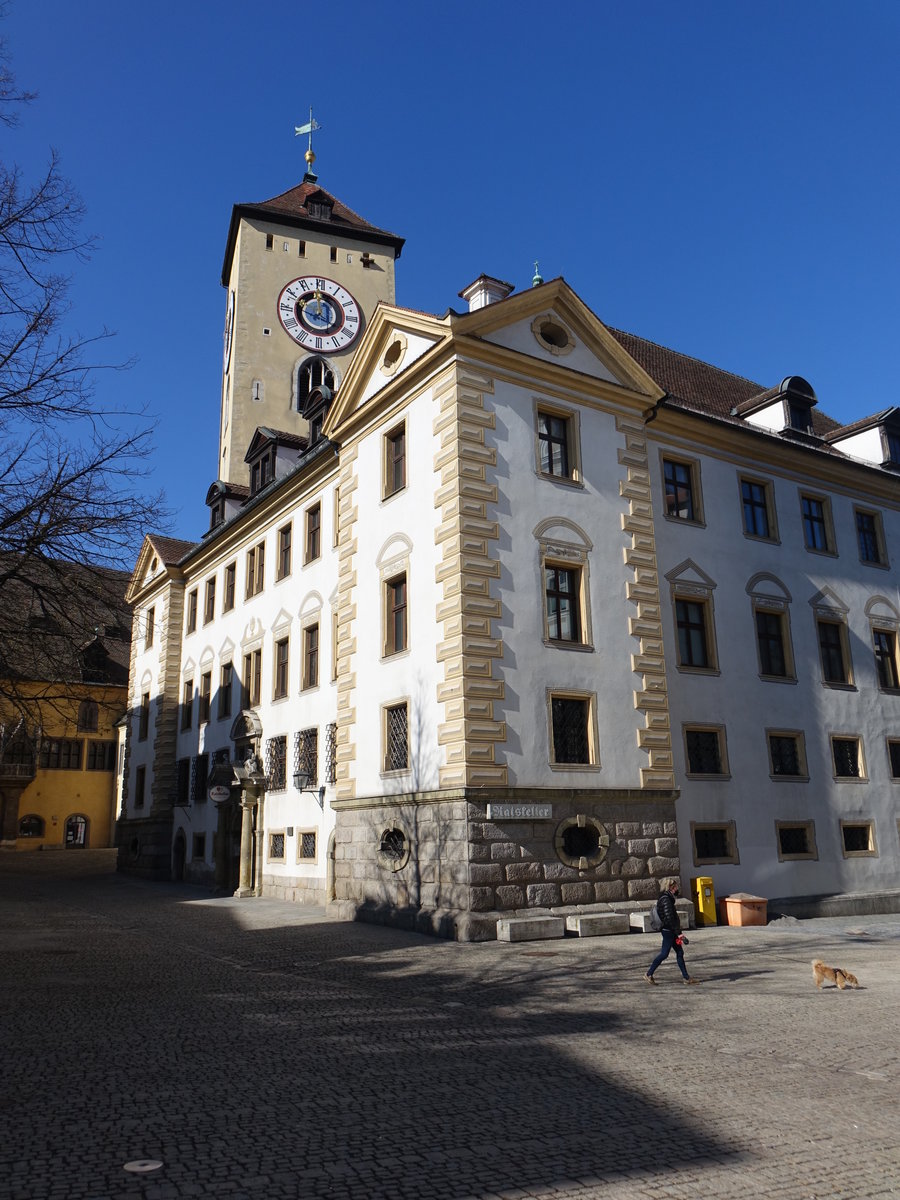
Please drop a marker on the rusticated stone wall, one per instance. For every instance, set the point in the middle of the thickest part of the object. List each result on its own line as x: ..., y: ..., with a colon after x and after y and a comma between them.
x: 459, y: 872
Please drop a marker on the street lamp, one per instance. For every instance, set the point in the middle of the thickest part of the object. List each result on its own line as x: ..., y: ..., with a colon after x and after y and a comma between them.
x: 301, y: 783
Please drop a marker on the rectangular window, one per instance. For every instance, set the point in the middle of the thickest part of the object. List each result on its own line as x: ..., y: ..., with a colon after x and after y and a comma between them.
x: 276, y: 847
x: 149, y: 627
x: 893, y: 745
x: 306, y: 755
x: 817, y: 524
x: 270, y: 240
x: 281, y: 668
x: 183, y: 782
x: 714, y: 843
x: 252, y: 683
x: 787, y: 759
x: 205, y: 696
x: 140, y: 786
x: 858, y: 839
x: 226, y: 683
x: 301, y: 249
x: 310, y: 657
x: 276, y: 764
x: 396, y: 738
x: 60, y: 754
x: 570, y: 725
x: 846, y: 753
x: 394, y: 461
x: 563, y: 599
x: 230, y: 573
x: 756, y: 498
x: 192, y: 611
x: 198, y: 846
x: 199, y: 778
x: 704, y: 751
x: 796, y: 840
x: 885, y: 641
x: 770, y: 642
x: 554, y: 433
x: 187, y: 704
x: 101, y: 756
x: 313, y: 533
x: 395, y: 615
x: 144, y: 717
x: 869, y: 537
x: 306, y: 846
x: 832, y: 651
x: 331, y: 752
x: 693, y: 634
x: 256, y: 570
x: 209, y: 603
x: 682, y: 492
x: 333, y: 254
x: 284, y: 551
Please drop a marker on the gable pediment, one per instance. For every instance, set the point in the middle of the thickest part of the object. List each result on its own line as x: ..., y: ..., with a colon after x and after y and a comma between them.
x: 690, y: 575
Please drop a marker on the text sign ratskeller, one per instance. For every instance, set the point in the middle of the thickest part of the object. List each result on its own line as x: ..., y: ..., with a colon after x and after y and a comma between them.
x: 519, y: 812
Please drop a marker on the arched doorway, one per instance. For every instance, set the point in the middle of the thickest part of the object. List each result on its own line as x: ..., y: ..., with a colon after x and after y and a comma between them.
x: 76, y: 831
x: 179, y: 854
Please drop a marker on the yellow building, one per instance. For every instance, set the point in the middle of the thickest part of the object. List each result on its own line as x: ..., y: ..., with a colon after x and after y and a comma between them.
x: 66, y: 643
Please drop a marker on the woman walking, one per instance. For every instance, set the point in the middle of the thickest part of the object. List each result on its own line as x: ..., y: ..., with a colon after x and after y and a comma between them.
x: 671, y: 934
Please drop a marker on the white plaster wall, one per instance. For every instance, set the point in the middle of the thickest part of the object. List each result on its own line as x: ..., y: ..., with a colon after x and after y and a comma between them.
x: 529, y: 667
x: 747, y: 706
x: 409, y: 516
x: 520, y: 337
x: 865, y: 445
x: 415, y: 347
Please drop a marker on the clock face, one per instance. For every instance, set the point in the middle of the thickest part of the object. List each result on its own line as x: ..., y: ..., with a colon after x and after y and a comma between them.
x: 319, y: 313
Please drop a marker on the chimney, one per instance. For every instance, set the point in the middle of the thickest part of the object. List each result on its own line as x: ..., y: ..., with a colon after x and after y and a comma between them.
x: 485, y: 290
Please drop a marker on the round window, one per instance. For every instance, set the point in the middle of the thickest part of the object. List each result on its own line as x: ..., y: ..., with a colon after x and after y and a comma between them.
x: 393, y: 849
x: 552, y: 335
x: 581, y: 841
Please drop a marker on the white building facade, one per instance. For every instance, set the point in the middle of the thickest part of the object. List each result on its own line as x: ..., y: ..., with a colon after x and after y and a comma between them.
x: 511, y: 612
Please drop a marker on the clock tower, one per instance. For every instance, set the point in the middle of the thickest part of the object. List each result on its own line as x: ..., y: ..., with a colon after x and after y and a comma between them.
x: 303, y: 275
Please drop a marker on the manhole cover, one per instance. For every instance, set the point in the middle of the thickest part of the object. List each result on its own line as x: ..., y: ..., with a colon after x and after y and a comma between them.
x: 141, y: 1166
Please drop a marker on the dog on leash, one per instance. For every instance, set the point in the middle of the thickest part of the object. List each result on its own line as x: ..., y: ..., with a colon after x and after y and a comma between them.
x: 834, y: 975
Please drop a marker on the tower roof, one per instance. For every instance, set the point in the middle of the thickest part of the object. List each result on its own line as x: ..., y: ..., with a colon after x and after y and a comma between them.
x: 308, y: 206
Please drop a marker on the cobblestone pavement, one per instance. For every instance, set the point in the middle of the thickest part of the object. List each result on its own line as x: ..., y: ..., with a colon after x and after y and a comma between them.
x: 259, y: 1051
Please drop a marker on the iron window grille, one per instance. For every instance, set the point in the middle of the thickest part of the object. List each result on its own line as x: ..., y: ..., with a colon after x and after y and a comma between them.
x: 331, y: 752
x: 276, y: 764
x: 199, y: 778
x: 785, y: 754
x: 845, y: 752
x: 704, y: 752
x: 397, y: 738
x: 307, y: 846
x: 306, y: 755
x: 571, y: 743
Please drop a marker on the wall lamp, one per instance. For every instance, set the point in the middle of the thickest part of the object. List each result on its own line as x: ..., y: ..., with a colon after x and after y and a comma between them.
x: 301, y: 783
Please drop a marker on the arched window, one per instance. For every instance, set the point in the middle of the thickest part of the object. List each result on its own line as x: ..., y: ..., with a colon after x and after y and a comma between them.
x: 31, y: 826
x: 76, y: 830
x: 314, y: 373
x: 88, y: 716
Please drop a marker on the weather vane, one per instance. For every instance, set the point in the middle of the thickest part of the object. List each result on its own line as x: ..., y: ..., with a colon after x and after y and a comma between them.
x: 308, y: 128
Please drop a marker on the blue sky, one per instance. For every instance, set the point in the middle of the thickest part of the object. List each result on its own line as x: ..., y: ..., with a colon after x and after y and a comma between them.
x: 719, y: 177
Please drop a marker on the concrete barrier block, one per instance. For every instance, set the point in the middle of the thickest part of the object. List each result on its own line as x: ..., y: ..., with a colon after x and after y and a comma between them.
x: 530, y: 929
x: 597, y: 924
x: 640, y: 921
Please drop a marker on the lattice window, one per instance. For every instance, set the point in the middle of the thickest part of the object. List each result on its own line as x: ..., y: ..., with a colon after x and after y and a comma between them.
x: 306, y: 755
x: 276, y: 845
x: 571, y: 743
x: 396, y: 738
x: 307, y: 846
x: 331, y: 752
x: 199, y: 778
x: 276, y: 764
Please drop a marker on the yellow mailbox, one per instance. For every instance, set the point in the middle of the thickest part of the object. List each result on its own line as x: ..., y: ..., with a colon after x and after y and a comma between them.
x: 704, y: 900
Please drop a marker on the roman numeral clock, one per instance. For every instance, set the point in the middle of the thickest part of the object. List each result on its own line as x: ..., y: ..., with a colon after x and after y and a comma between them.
x: 319, y: 314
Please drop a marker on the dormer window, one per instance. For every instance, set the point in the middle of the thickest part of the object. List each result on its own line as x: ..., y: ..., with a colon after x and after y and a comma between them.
x: 217, y: 514
x: 798, y: 417
x: 891, y: 441
x: 320, y: 209
x: 262, y: 471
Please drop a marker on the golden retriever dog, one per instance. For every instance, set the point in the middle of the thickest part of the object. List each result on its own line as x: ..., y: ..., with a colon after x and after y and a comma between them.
x: 834, y: 975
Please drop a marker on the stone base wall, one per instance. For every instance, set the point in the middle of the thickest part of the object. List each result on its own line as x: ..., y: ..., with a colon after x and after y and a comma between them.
x: 145, y: 846
x: 298, y: 890
x: 439, y: 865
x: 516, y: 865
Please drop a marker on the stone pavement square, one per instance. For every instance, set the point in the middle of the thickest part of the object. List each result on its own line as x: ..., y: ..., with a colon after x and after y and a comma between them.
x: 260, y: 1051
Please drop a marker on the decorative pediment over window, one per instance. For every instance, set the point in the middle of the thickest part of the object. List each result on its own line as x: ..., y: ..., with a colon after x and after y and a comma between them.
x: 688, y: 574
x: 246, y: 727
x: 828, y: 603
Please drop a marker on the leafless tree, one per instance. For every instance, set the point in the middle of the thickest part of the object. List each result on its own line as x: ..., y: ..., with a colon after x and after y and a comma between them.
x: 73, y: 504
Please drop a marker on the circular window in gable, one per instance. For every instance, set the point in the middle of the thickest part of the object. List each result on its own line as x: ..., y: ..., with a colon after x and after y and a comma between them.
x: 394, y: 355
x: 393, y: 849
x: 552, y: 334
x: 581, y: 842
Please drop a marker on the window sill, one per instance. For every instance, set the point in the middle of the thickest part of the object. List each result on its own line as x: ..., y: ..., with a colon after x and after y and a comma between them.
x: 880, y: 566
x: 850, y: 779
x: 691, y: 521
x: 839, y: 687
x: 571, y: 481
x: 562, y: 644
x: 798, y: 858
x: 789, y: 778
x: 821, y: 553
x: 697, y: 670
x: 711, y: 862
x: 767, y: 541
x: 777, y: 678
x: 393, y: 495
x: 558, y: 766
x: 860, y: 854
x: 707, y: 778
x: 391, y: 655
